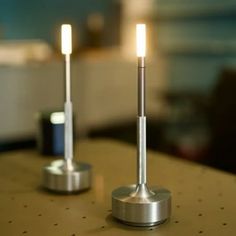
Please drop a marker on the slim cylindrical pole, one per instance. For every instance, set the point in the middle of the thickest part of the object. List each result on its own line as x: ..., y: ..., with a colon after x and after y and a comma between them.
x: 141, y: 123
x: 67, y: 78
x: 68, y: 129
x: 141, y: 87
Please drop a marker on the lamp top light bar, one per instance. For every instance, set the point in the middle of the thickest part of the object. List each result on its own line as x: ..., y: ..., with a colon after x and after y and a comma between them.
x: 141, y: 40
x: 66, y: 39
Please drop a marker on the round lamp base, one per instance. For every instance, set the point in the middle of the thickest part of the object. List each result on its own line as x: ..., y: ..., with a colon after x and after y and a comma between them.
x: 141, y: 210
x: 58, y: 178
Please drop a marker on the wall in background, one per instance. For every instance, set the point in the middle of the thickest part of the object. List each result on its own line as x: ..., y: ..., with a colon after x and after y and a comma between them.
x: 196, y: 39
x: 29, y: 19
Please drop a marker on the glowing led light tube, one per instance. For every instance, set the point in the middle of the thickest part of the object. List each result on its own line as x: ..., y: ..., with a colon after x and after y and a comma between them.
x: 141, y: 40
x: 66, y: 39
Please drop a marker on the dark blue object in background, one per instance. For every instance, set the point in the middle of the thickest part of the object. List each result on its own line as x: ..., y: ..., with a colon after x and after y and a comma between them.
x: 50, y: 138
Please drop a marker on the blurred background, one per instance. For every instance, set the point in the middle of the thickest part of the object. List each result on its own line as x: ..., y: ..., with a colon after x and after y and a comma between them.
x: 191, y: 73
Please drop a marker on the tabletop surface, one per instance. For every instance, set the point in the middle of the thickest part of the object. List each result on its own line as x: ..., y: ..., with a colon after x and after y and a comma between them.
x: 203, y: 199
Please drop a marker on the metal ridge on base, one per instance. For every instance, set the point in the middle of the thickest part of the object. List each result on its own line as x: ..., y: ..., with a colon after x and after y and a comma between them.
x: 135, y: 209
x: 57, y: 177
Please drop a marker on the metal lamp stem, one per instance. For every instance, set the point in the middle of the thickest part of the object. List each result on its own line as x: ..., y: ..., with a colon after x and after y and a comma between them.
x: 141, y: 123
x: 68, y: 128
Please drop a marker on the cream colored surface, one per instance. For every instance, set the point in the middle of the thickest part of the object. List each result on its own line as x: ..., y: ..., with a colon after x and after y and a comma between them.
x: 203, y: 198
x: 103, y: 92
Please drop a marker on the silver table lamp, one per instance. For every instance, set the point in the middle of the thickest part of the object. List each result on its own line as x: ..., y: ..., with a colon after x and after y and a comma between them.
x: 67, y: 175
x: 140, y: 205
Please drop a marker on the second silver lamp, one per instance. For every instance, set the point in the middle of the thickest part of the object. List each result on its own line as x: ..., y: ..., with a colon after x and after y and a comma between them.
x: 67, y: 175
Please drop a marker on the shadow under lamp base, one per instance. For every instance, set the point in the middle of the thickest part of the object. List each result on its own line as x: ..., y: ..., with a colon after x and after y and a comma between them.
x: 139, y: 206
x: 57, y: 177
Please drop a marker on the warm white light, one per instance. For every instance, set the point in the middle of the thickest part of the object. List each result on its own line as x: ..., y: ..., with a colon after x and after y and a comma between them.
x: 66, y: 39
x: 141, y: 40
x: 57, y: 118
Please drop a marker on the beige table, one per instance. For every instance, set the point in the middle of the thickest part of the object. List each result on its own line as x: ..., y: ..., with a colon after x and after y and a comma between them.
x: 204, y: 200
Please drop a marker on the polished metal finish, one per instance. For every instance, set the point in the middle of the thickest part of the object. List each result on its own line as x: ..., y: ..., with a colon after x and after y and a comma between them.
x: 138, y: 205
x: 60, y: 177
x: 141, y: 87
x: 68, y: 129
x: 141, y: 152
x: 132, y: 206
x: 68, y: 132
x: 67, y: 78
x: 66, y: 175
x: 141, y: 124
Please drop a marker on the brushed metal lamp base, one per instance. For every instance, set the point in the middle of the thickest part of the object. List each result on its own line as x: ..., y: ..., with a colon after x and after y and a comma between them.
x: 136, y: 205
x: 59, y: 177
